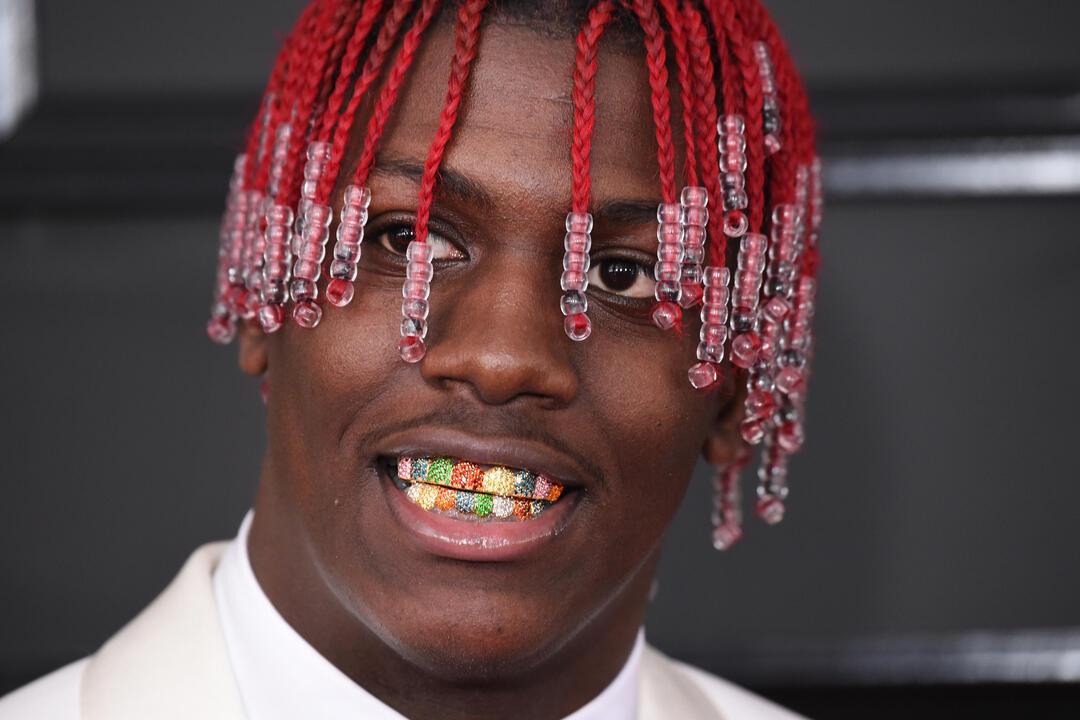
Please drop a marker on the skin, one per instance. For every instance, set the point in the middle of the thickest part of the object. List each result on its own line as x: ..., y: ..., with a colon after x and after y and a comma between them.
x: 430, y: 636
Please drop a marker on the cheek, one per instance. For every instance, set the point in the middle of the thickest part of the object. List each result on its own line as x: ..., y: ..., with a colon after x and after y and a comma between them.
x: 653, y: 423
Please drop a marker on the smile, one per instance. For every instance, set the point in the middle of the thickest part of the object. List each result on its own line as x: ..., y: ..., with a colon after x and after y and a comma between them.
x: 459, y: 488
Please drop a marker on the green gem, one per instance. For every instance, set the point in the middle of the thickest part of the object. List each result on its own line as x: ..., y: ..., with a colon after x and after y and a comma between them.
x: 482, y: 505
x: 439, y: 471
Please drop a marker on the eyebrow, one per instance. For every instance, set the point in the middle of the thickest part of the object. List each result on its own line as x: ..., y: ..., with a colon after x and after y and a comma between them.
x: 467, y: 191
x: 451, y: 183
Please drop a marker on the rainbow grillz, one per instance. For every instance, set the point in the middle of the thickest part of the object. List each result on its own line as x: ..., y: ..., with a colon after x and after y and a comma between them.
x: 447, y: 484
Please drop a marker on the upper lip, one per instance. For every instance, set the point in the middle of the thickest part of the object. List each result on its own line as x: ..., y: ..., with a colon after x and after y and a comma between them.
x: 510, y: 451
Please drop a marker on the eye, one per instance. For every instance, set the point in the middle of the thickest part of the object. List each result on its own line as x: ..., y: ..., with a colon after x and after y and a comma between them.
x: 622, y: 276
x: 396, y: 238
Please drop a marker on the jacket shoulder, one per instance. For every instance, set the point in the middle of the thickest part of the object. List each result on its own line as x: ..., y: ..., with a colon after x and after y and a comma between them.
x: 52, y: 697
x: 730, y: 701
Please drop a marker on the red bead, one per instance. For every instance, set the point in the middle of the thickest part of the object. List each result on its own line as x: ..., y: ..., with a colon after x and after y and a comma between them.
x: 271, y: 317
x: 790, y: 437
x: 666, y: 315
x: 221, y: 330
x: 725, y: 535
x: 769, y: 509
x: 236, y: 298
x: 307, y: 314
x: 759, y: 404
x: 753, y: 430
x: 790, y: 381
x: 412, y: 349
x: 339, y: 292
x: 577, y: 326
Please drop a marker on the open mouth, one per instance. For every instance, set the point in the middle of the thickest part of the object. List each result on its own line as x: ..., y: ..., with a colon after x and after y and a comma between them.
x: 459, y: 488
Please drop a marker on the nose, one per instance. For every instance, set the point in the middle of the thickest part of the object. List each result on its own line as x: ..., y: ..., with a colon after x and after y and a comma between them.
x: 499, y: 335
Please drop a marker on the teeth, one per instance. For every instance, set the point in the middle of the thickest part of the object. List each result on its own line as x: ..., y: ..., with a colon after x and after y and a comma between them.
x: 451, y: 501
x: 497, y: 480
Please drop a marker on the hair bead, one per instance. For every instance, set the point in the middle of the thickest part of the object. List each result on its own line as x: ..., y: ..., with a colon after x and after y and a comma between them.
x: 575, y: 278
x: 771, y: 124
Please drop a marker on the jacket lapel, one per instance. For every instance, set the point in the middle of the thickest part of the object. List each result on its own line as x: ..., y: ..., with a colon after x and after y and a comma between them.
x: 666, y: 693
x: 170, y: 662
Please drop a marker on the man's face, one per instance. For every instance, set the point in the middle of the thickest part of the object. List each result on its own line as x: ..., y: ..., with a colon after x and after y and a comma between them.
x: 614, y: 416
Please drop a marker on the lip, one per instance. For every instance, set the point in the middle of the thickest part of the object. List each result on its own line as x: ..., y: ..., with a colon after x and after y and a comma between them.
x: 474, y: 540
x: 508, y: 451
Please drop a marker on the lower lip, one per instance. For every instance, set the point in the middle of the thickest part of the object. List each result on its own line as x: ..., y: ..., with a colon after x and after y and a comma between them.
x: 476, y: 540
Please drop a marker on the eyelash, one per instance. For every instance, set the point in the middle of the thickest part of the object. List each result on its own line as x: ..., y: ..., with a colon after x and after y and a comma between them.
x: 446, y: 250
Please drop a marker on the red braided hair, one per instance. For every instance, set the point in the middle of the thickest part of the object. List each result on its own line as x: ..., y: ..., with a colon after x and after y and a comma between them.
x: 656, y: 57
x: 584, y: 98
x: 467, y: 36
x: 704, y: 101
x: 682, y: 59
x: 389, y: 94
x: 349, y: 60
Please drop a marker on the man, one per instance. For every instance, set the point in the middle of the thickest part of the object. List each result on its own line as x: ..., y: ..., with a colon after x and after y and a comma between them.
x: 474, y: 532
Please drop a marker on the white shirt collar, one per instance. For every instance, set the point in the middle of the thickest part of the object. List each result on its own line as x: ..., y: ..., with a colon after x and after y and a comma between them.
x: 282, y: 677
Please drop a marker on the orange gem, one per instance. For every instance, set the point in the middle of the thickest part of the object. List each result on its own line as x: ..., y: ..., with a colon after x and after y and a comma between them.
x: 555, y: 492
x: 521, y: 509
x: 445, y: 499
x: 466, y: 476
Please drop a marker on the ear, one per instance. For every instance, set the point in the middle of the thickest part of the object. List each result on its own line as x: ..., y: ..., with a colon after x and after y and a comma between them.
x: 254, y: 355
x: 722, y: 440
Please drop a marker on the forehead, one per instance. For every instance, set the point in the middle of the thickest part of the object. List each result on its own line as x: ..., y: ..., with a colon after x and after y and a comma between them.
x: 515, y: 128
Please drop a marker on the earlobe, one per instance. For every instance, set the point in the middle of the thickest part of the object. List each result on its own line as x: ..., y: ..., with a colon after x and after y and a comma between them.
x: 723, y: 440
x: 254, y: 356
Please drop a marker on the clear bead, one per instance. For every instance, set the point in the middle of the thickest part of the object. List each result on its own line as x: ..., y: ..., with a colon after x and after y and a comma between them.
x: 357, y: 196
x: 574, y: 302
x: 717, y: 276
x: 309, y: 188
x: 313, y: 253
x: 579, y: 262
x: 666, y: 271
x: 416, y: 289
x: 579, y: 223
x: 414, y: 326
x: 710, y: 352
x: 693, y: 196
x: 343, y: 269
x: 666, y: 315
x: 735, y: 224
x: 419, y: 252
x: 691, y: 273
x: 279, y: 215
x: 669, y: 214
x: 271, y: 318
x: 731, y: 124
x: 574, y: 280
x: 340, y: 292
x: 695, y: 236
x: 577, y: 327
x: 713, y: 333
x: 785, y: 215
x: 412, y: 349
x: 354, y: 214
x: 668, y: 290
x: 669, y: 234
x: 306, y: 270
x: 415, y: 308
x: 577, y: 242
x: 319, y: 214
x: 347, y: 252
x: 307, y: 314
x: 419, y: 271
x: 697, y: 216
x: 318, y: 152
x: 302, y: 289
x: 702, y: 375
x: 694, y: 254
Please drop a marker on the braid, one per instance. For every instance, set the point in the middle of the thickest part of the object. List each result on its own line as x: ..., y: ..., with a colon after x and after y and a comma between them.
x: 744, y: 72
x: 345, y: 22
x: 384, y: 41
x: 656, y: 57
x: 705, y: 114
x: 386, y: 100
x: 467, y: 37
x: 584, y: 96
x: 305, y: 104
x: 363, y: 23
x: 682, y: 59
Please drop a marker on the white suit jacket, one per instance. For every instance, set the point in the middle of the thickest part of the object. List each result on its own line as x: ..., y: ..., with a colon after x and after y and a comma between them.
x: 171, y: 663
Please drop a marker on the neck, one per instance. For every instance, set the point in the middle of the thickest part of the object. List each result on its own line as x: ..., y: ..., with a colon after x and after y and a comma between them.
x: 572, y: 675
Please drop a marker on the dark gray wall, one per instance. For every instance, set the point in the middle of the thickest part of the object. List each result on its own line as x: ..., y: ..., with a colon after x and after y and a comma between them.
x: 937, y: 493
